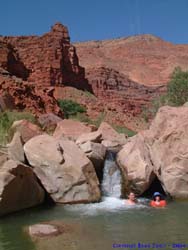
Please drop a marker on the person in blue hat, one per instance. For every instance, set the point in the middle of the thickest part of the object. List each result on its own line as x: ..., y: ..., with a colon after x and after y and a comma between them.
x: 158, y: 200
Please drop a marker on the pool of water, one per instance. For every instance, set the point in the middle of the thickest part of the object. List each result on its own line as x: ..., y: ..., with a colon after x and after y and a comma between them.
x: 103, y: 225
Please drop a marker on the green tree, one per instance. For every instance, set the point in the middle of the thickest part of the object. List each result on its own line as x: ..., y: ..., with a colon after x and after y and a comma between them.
x: 176, y: 95
x: 177, y: 88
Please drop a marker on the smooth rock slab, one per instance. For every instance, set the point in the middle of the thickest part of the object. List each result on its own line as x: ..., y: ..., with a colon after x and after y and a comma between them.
x: 15, y: 148
x: 49, y: 121
x: 136, y: 165
x: 95, y: 136
x: 167, y: 140
x: 71, y: 129
x: 44, y: 230
x: 111, y: 136
x: 96, y: 153
x: 63, y: 169
x: 26, y: 129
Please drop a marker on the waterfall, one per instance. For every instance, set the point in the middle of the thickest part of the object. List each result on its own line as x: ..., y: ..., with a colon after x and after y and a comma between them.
x: 111, y: 183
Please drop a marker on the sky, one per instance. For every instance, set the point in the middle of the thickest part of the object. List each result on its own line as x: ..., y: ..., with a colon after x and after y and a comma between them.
x: 97, y: 19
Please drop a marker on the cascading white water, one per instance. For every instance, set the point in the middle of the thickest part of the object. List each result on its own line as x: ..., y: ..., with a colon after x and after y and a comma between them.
x: 111, y: 193
x: 111, y: 183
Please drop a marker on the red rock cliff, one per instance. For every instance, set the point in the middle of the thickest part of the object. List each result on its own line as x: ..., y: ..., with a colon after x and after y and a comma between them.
x: 31, y: 65
x: 50, y: 59
x: 145, y: 59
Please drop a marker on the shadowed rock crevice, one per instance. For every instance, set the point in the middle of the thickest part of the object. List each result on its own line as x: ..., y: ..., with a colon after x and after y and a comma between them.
x: 154, y: 187
x: 48, y: 201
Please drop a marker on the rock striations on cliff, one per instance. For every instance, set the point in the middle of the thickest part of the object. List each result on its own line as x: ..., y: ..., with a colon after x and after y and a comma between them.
x: 50, y: 59
x: 30, y: 66
x: 145, y: 59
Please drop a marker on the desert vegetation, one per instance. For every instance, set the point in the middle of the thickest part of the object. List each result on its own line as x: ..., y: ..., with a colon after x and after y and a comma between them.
x: 176, y: 94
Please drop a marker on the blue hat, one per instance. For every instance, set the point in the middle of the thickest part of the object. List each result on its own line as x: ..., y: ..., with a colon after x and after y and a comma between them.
x: 157, y: 194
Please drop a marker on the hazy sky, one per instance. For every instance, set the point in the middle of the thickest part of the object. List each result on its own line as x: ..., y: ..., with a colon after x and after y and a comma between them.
x: 97, y: 19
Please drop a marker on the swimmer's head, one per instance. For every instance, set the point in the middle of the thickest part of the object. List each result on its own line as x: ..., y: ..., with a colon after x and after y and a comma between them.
x: 132, y: 196
x: 157, y: 196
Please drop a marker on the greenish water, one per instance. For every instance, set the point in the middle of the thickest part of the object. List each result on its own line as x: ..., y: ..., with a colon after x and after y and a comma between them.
x: 100, y: 226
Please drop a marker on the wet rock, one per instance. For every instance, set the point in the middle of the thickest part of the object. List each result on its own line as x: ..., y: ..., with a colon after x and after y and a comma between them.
x: 44, y: 230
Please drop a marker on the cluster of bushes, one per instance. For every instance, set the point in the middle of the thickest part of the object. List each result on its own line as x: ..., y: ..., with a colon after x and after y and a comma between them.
x: 70, y: 108
x: 76, y: 111
x: 176, y: 95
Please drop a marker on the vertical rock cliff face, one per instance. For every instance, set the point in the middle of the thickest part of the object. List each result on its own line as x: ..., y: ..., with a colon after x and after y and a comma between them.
x: 30, y: 67
x: 119, y: 92
x: 9, y: 60
x: 50, y: 59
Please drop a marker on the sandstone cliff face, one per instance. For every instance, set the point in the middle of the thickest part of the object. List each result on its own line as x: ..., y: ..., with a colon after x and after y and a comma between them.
x: 50, y: 59
x: 127, y: 73
x: 31, y: 65
x: 24, y: 96
x: 145, y: 59
x: 9, y: 60
x: 119, y: 92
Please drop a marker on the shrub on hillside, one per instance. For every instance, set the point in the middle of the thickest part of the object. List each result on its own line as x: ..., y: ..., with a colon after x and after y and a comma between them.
x: 177, y: 88
x: 70, y: 107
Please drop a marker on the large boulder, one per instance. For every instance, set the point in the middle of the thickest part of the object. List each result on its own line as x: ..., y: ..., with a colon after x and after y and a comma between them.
x: 63, y: 169
x: 19, y: 188
x: 49, y: 121
x: 95, y: 136
x: 26, y: 129
x: 110, y: 137
x: 162, y: 151
x: 15, y: 148
x: 167, y: 141
x: 136, y: 166
x: 3, y: 157
x: 71, y: 129
x: 96, y: 152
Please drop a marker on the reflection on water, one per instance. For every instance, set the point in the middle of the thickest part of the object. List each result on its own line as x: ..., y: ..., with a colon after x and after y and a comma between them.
x: 99, y: 226
x: 13, y: 237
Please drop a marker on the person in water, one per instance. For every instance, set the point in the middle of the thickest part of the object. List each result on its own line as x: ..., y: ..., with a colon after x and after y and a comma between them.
x: 158, y: 200
x: 131, y: 199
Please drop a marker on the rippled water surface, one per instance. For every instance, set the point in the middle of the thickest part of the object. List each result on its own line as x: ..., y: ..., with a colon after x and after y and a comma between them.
x: 101, y: 226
